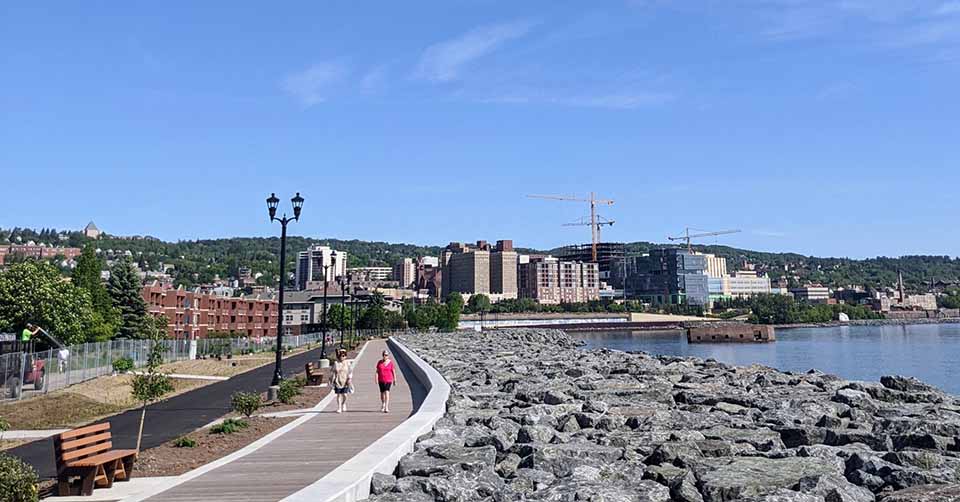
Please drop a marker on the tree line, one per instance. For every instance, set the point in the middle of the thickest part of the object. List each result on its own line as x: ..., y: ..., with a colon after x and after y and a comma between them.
x: 784, y: 309
x: 81, y: 309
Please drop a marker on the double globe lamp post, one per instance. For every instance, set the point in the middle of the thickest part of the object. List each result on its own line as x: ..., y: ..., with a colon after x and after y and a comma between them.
x: 272, y: 203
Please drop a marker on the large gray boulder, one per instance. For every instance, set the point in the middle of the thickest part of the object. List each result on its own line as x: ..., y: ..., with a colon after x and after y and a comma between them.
x: 925, y: 493
x: 723, y: 480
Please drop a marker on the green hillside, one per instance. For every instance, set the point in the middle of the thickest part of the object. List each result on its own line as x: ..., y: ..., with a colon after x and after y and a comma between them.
x: 199, y: 261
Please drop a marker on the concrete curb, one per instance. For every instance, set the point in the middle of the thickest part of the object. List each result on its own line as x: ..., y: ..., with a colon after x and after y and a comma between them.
x: 252, y: 447
x: 40, y: 434
x: 351, y: 481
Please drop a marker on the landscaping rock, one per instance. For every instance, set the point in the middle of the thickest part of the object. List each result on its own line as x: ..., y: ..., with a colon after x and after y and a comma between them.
x: 532, y: 416
x: 382, y: 483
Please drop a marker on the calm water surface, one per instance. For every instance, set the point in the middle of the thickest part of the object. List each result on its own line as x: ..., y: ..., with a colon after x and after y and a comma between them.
x: 929, y: 352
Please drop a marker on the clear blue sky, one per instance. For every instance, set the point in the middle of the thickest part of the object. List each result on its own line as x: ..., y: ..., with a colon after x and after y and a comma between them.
x: 823, y: 127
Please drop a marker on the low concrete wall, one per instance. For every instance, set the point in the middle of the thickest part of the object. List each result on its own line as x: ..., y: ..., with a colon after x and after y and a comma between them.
x: 351, y: 481
x: 491, y: 322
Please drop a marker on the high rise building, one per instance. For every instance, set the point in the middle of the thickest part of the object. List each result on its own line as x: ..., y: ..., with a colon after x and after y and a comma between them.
x: 609, y: 258
x: 503, y: 270
x: 480, y: 269
x: 469, y: 272
x: 549, y: 280
x: 669, y: 276
x: 405, y: 272
x: 310, y: 266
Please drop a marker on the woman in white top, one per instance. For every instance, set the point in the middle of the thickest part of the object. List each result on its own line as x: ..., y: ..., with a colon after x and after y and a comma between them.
x: 341, y: 376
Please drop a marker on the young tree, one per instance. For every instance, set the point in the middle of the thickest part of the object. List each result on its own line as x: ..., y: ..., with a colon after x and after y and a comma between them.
x: 151, y: 385
x: 125, y: 289
x: 33, y: 292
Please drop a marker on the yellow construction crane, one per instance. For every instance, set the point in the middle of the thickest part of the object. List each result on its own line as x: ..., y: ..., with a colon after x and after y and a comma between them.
x: 594, y: 223
x: 689, y: 237
x: 601, y: 221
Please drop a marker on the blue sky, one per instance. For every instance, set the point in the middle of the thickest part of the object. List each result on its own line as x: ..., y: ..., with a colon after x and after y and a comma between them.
x: 822, y: 127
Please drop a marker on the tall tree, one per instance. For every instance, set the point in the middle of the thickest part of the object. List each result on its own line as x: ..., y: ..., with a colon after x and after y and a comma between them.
x: 33, y: 292
x: 106, y: 318
x: 450, y: 317
x: 478, y: 303
x: 125, y: 290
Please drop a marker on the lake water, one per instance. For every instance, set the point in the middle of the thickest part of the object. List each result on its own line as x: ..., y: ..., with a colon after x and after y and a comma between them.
x: 930, y: 352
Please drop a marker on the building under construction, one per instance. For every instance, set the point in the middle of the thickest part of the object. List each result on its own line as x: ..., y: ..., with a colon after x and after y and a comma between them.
x: 609, y: 257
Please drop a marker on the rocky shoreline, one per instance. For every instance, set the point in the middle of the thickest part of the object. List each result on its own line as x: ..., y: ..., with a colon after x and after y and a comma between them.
x: 533, y: 417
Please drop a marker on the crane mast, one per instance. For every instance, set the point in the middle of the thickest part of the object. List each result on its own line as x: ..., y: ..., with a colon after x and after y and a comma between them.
x: 594, y: 224
x: 689, y: 237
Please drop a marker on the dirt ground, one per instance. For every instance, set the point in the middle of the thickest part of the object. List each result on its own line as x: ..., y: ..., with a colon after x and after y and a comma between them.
x: 213, y: 367
x: 80, y: 404
x: 168, y: 460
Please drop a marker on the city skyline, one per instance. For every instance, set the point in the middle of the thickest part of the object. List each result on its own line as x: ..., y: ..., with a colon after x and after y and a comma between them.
x: 816, y: 127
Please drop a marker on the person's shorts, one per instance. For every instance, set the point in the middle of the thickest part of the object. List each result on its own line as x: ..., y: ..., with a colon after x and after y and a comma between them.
x: 385, y: 387
x: 341, y: 390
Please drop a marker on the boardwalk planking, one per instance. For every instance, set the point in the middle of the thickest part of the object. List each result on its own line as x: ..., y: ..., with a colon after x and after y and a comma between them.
x: 307, y: 453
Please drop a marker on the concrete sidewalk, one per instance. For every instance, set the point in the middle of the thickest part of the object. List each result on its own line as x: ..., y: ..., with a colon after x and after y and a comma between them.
x: 302, y: 455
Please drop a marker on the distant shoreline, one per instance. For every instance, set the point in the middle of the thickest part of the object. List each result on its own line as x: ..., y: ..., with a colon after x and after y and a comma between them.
x: 870, y: 322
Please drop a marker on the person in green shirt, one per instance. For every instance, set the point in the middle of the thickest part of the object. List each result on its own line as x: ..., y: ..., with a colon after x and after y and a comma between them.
x: 28, y: 332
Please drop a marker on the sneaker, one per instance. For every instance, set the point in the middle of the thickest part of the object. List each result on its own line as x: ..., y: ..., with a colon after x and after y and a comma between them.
x: 339, y: 410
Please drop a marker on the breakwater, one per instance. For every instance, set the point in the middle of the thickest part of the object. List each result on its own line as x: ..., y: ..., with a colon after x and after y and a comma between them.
x: 533, y: 417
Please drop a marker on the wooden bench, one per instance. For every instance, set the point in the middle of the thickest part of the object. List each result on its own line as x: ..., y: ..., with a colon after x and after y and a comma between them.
x: 314, y: 374
x: 87, y: 453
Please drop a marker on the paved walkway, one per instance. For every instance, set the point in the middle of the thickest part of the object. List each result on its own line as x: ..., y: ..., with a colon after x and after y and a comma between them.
x: 173, y: 417
x: 305, y: 454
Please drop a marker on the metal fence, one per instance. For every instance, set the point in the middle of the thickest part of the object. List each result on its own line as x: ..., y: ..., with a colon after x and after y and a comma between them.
x: 26, y: 375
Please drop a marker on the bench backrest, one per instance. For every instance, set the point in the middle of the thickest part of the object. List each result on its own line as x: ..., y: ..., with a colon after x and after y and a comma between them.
x: 310, y: 368
x: 82, y: 443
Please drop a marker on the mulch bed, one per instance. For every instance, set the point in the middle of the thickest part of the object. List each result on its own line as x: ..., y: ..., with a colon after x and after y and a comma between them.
x: 169, y: 460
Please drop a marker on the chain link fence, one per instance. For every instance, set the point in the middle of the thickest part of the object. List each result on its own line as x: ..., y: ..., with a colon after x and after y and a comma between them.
x: 25, y: 375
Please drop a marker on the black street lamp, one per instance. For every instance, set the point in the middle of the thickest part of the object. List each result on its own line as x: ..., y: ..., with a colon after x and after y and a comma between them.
x: 353, y: 300
x: 272, y: 203
x: 356, y: 316
x: 344, y: 282
x: 323, y: 344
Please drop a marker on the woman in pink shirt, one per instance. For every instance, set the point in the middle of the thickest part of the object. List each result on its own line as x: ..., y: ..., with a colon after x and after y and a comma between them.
x: 386, y: 375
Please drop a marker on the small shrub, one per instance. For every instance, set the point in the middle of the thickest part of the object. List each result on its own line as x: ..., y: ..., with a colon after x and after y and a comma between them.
x: 185, y: 442
x: 289, y: 389
x: 18, y: 481
x: 123, y: 365
x: 246, y: 403
x: 229, y: 426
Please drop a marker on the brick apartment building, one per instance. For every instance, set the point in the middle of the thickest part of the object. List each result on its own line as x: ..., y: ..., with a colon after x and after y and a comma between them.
x: 193, y: 314
x: 37, y: 252
x: 551, y: 281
